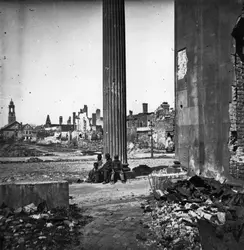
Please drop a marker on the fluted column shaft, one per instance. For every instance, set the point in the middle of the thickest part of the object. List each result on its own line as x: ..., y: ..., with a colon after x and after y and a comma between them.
x: 114, y: 79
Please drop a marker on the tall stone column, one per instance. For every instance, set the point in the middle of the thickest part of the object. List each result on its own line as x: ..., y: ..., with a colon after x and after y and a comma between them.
x: 114, y: 79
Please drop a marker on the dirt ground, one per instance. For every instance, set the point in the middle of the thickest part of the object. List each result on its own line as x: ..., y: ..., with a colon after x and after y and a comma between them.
x: 92, y: 195
x: 68, y: 170
x: 117, y: 219
x: 117, y: 216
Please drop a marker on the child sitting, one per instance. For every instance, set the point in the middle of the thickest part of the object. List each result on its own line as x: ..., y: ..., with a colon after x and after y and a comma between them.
x: 117, y: 170
x: 94, y: 174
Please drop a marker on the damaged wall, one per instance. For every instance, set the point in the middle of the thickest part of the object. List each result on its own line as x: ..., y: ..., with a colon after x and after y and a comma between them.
x: 236, y: 109
x: 163, y: 121
x: 204, y: 79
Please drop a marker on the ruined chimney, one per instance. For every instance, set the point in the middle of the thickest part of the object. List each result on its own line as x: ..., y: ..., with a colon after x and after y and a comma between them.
x: 130, y: 112
x: 94, y: 119
x: 69, y: 121
x: 145, y: 108
x: 98, y: 114
x: 165, y: 107
x: 74, y: 115
x: 85, y: 109
x: 60, y: 120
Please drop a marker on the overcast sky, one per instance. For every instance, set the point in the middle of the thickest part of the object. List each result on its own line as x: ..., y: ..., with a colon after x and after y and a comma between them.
x: 51, y: 57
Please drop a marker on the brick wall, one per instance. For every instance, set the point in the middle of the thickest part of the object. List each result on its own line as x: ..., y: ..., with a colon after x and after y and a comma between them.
x: 161, y: 129
x: 143, y: 140
x: 203, y: 95
x: 236, y: 112
x: 131, y: 134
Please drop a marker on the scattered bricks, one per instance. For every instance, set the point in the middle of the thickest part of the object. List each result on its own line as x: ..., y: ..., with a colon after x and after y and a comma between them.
x: 236, y: 114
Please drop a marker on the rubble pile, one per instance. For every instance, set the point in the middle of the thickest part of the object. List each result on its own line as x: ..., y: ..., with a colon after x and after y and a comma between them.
x: 19, y: 150
x: 34, y: 159
x: 198, y: 213
x: 135, y: 148
x: 41, y: 175
x: 89, y: 147
x: 160, y: 170
x: 36, y: 227
x: 142, y: 170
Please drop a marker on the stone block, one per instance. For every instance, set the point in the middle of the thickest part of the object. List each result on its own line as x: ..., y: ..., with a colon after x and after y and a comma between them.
x: 15, y: 195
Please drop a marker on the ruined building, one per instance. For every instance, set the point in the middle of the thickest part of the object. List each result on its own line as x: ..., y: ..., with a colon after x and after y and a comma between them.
x: 59, y: 126
x: 137, y: 125
x: 140, y: 119
x: 80, y: 125
x: 15, y: 129
x: 81, y: 120
x: 209, y: 90
x: 163, y: 125
x: 99, y: 119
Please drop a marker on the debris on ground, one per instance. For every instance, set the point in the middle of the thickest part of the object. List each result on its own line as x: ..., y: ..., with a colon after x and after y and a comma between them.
x: 34, y: 159
x: 19, y: 149
x: 38, y: 175
x: 146, y: 170
x: 199, y: 213
x: 142, y: 170
x: 35, y: 227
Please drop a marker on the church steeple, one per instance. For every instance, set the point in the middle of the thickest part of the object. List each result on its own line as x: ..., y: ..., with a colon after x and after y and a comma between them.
x: 48, y: 121
x: 11, y: 112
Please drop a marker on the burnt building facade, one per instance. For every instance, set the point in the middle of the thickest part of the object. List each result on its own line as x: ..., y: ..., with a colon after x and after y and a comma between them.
x: 60, y: 126
x: 140, y: 119
x: 138, y: 128
x: 209, y: 86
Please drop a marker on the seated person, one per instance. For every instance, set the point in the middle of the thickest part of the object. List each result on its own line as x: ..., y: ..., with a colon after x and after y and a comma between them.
x: 117, y: 170
x: 106, y: 169
x: 99, y: 161
x: 94, y: 174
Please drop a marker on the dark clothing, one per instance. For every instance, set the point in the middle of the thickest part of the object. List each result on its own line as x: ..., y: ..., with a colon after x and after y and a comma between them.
x: 97, y: 175
x: 94, y: 176
x: 106, y: 175
x: 117, y: 171
x: 107, y: 169
x: 117, y: 166
x: 107, y: 165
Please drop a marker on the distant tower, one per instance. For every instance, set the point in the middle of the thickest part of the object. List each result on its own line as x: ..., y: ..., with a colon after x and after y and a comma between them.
x: 85, y: 109
x: 69, y: 121
x: 11, y: 113
x: 60, y: 120
x: 48, y: 121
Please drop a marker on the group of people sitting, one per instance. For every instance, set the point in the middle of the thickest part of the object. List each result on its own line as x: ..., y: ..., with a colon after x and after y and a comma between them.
x: 109, y: 172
